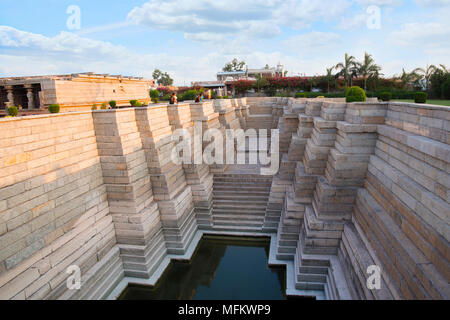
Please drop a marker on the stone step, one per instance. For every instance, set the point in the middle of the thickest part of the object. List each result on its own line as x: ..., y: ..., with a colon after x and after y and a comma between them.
x: 241, y: 197
x: 232, y: 187
x: 243, y: 182
x: 234, y: 217
x: 287, y: 250
x: 244, y: 202
x: 226, y: 227
x: 288, y: 236
x: 308, y: 277
x: 313, y: 270
x: 310, y: 286
x: 225, y: 204
x: 287, y: 243
x: 284, y: 256
x: 237, y: 211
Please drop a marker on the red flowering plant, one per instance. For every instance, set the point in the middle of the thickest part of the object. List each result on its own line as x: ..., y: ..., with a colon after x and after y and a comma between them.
x: 164, y: 90
x: 242, y: 86
x: 297, y: 83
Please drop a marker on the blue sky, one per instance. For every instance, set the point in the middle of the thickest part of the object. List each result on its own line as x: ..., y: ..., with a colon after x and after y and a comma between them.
x: 192, y: 40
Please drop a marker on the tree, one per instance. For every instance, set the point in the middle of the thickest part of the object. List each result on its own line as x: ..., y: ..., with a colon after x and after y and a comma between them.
x: 260, y: 83
x: 347, y: 68
x: 426, y: 74
x: 163, y: 79
x: 157, y: 74
x: 234, y: 65
x: 437, y: 79
x: 444, y: 68
x: 367, y: 68
x: 329, y: 77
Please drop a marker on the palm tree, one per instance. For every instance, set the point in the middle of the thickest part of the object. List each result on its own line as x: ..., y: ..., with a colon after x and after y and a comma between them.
x: 444, y: 68
x: 426, y: 74
x: 368, y: 68
x: 347, y: 67
x: 408, y: 78
x: 329, y: 77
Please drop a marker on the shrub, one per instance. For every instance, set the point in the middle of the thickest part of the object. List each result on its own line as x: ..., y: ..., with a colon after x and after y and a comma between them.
x: 154, y: 94
x: 355, y: 94
x: 104, y: 106
x: 54, y: 108
x: 226, y: 97
x: 13, y: 111
x: 385, y: 96
x: 446, y: 88
x: 113, y: 104
x: 155, y: 100
x: 94, y: 107
x: 420, y: 97
x: 320, y: 97
x: 138, y: 104
x: 190, y: 95
x: 166, y: 97
x: 133, y: 103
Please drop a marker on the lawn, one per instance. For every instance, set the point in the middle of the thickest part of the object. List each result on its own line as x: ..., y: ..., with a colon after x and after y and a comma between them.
x: 436, y: 102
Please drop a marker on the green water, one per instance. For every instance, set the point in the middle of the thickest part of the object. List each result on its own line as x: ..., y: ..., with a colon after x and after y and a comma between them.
x: 222, y: 268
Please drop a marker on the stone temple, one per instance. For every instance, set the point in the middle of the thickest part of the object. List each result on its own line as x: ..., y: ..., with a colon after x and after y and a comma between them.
x: 72, y: 92
x: 362, y: 187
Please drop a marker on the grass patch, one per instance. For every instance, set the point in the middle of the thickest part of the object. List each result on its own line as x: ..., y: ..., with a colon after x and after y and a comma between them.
x: 430, y: 101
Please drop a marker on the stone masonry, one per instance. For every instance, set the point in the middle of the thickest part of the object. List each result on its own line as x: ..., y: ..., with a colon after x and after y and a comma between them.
x: 359, y: 185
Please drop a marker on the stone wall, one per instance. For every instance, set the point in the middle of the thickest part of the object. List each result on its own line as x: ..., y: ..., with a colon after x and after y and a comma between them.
x: 84, y: 92
x: 371, y: 189
x: 54, y: 211
x: 360, y: 184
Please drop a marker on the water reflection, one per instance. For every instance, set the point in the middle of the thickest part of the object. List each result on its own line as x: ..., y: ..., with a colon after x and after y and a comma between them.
x: 221, y: 268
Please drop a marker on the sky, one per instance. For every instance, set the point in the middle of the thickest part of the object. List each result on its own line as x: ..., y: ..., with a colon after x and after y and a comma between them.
x: 193, y: 39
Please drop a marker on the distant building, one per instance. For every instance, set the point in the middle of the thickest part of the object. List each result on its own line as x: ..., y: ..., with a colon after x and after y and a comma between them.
x: 218, y: 86
x: 250, y: 74
x: 71, y: 91
x: 224, y: 78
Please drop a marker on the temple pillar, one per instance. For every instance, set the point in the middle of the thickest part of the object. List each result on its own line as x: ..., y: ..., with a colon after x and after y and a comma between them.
x: 10, y: 96
x: 30, y: 96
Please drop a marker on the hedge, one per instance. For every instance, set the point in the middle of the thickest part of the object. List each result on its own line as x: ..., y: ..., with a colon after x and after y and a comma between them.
x: 420, y: 97
x: 385, y: 96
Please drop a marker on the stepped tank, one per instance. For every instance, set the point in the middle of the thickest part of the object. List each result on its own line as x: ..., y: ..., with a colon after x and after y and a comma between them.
x: 92, y: 203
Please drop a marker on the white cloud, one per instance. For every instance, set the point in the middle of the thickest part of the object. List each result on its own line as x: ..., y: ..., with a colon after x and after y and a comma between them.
x: 432, y: 3
x: 379, y: 2
x: 26, y: 53
x: 354, y: 22
x: 313, y: 40
x: 431, y: 34
x: 204, y: 20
